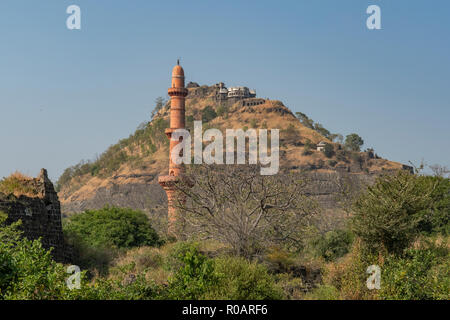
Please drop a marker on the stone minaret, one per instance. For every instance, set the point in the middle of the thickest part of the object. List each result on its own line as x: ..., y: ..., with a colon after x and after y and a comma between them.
x: 177, y: 93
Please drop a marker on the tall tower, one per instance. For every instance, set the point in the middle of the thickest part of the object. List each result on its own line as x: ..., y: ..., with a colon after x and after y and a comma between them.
x: 177, y: 93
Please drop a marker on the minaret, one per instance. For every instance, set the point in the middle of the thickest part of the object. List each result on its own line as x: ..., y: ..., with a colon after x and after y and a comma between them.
x: 177, y: 93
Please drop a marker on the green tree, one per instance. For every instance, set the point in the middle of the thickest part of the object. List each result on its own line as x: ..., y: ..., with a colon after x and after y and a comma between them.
x: 354, y: 142
x: 159, y: 104
x: 328, y: 150
x: 307, y: 122
x: 388, y: 214
x: 320, y: 129
x: 112, y: 227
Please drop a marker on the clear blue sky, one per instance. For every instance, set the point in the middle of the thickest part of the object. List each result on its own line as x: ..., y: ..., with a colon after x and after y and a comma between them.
x: 67, y: 95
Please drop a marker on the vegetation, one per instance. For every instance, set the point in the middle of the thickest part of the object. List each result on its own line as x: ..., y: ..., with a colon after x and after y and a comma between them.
x: 400, y: 224
x: 208, y: 114
x: 333, y: 244
x: 388, y: 215
x: 328, y: 150
x: 238, y: 206
x: 308, y: 148
x: 17, y: 184
x: 159, y: 104
x: 353, y: 142
x: 146, y: 140
x: 112, y: 227
x: 309, y: 123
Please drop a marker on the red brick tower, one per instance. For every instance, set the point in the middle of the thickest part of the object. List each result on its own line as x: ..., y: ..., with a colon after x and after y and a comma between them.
x: 177, y: 93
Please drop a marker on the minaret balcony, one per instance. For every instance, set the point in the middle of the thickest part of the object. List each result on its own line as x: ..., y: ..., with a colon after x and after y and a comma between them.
x: 178, y: 92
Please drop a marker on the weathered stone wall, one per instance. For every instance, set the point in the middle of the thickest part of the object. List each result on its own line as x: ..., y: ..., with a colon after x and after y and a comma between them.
x: 40, y: 216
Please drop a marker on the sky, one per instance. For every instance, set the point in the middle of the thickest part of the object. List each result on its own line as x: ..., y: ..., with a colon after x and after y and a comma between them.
x: 66, y: 95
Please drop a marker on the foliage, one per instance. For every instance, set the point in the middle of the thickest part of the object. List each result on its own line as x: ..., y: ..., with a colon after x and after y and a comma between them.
x: 243, y: 280
x: 159, y: 104
x: 436, y: 218
x: 341, y: 155
x: 348, y: 274
x: 146, y: 139
x: 17, y: 183
x: 332, y: 163
x: 112, y: 227
x: 307, y: 122
x: 308, y: 148
x: 323, y: 292
x: 353, y: 142
x: 333, y: 244
x: 320, y: 129
x: 195, y: 276
x: 328, y: 150
x: 208, y: 114
x: 222, y: 111
x: 419, y: 274
x: 388, y: 214
x: 290, y: 134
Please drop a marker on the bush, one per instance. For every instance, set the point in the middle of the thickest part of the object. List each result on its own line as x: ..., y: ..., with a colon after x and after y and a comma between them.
x: 308, y: 148
x: 341, y: 155
x: 332, y: 163
x: 112, y: 227
x: 198, y: 277
x: 328, y: 150
x: 194, y: 277
x: 333, y: 244
x: 208, y: 114
x: 436, y: 218
x: 419, y: 274
x: 323, y: 292
x: 348, y: 275
x: 388, y: 214
x: 222, y: 111
x: 243, y: 280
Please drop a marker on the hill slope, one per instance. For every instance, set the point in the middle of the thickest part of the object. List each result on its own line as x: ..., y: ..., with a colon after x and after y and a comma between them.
x: 126, y: 174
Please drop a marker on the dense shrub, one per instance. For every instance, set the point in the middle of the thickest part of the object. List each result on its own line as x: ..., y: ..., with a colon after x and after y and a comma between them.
x: 333, y: 244
x: 195, y: 276
x: 112, y: 227
x: 419, y: 274
x: 243, y: 280
x: 348, y: 275
x: 208, y: 114
x: 199, y: 277
x: 389, y: 213
x: 436, y: 218
x: 328, y: 150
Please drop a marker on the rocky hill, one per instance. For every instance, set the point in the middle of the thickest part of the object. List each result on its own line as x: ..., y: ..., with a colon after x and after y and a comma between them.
x: 127, y: 173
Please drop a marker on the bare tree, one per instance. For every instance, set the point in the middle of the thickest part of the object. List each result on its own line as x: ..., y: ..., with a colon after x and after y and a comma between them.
x: 440, y: 171
x: 237, y: 206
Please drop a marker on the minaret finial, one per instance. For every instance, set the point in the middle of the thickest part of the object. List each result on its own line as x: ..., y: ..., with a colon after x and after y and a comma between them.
x: 178, y: 61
